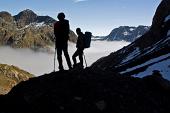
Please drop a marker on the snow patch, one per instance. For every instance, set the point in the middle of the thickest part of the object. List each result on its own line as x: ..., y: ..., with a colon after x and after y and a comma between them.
x: 131, y: 29
x: 39, y: 24
x: 33, y: 25
x: 131, y: 55
x: 138, y: 36
x: 167, y: 18
x: 150, y: 69
x: 168, y: 34
x: 146, y: 28
x: 163, y: 67
x: 126, y: 33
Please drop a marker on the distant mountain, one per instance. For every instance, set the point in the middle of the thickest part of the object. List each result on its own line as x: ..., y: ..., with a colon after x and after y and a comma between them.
x: 126, y: 33
x: 98, y: 38
x: 10, y: 76
x: 28, y: 30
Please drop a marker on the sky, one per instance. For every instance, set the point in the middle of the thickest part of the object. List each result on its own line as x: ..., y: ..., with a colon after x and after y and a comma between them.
x: 98, y: 16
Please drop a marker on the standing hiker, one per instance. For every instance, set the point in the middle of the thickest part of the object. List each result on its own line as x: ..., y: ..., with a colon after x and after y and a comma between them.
x: 80, y: 48
x: 61, y: 32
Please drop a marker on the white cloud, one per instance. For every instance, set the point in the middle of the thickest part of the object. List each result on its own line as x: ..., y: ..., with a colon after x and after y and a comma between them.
x: 76, y: 1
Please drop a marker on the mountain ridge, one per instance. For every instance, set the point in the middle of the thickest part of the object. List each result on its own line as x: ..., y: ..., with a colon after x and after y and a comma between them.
x: 28, y: 30
x: 126, y: 33
x: 27, y: 17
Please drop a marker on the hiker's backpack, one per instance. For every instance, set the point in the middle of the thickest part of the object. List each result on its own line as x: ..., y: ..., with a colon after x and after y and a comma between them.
x: 87, y: 39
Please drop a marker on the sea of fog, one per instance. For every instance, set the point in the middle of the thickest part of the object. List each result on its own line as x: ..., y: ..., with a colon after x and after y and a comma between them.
x: 39, y: 63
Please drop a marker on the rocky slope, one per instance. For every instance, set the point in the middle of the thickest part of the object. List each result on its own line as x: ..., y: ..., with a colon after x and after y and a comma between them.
x: 11, y: 76
x: 28, y: 30
x: 101, y: 88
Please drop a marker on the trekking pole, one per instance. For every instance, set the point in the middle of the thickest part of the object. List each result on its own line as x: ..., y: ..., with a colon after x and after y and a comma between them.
x: 85, y: 59
x: 54, y: 58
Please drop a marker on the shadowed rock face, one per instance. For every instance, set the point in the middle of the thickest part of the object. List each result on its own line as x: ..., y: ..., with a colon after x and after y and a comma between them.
x: 28, y: 30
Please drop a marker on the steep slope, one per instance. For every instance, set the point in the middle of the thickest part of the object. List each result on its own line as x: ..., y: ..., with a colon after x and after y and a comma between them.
x: 151, y: 49
x: 11, y: 76
x: 126, y: 33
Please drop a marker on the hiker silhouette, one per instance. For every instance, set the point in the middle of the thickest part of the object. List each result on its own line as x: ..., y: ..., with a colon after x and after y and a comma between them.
x: 80, y: 48
x: 61, y: 32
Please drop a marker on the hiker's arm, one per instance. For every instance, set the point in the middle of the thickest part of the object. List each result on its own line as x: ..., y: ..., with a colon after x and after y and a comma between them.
x: 68, y: 27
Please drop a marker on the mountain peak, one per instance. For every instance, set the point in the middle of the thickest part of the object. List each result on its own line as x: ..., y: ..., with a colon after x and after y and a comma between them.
x: 25, y: 17
x: 6, y: 16
x: 28, y: 11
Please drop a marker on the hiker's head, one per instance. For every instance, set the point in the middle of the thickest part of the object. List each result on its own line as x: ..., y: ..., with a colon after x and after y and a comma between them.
x: 78, y: 30
x: 61, y: 16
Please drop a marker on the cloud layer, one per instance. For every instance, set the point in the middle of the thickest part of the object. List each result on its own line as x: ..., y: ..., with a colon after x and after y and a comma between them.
x: 39, y: 63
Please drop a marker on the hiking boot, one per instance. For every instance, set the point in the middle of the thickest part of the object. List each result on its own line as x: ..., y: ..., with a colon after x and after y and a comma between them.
x: 81, y: 66
x: 61, y: 68
x: 78, y: 66
x: 74, y: 65
x: 70, y: 67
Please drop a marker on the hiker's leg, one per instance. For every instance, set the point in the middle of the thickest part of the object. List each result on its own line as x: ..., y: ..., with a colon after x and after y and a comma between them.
x: 81, y: 57
x: 59, y: 58
x: 74, y: 57
x: 67, y: 56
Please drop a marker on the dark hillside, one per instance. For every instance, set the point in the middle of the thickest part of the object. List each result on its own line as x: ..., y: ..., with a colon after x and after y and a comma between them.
x: 86, y: 91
